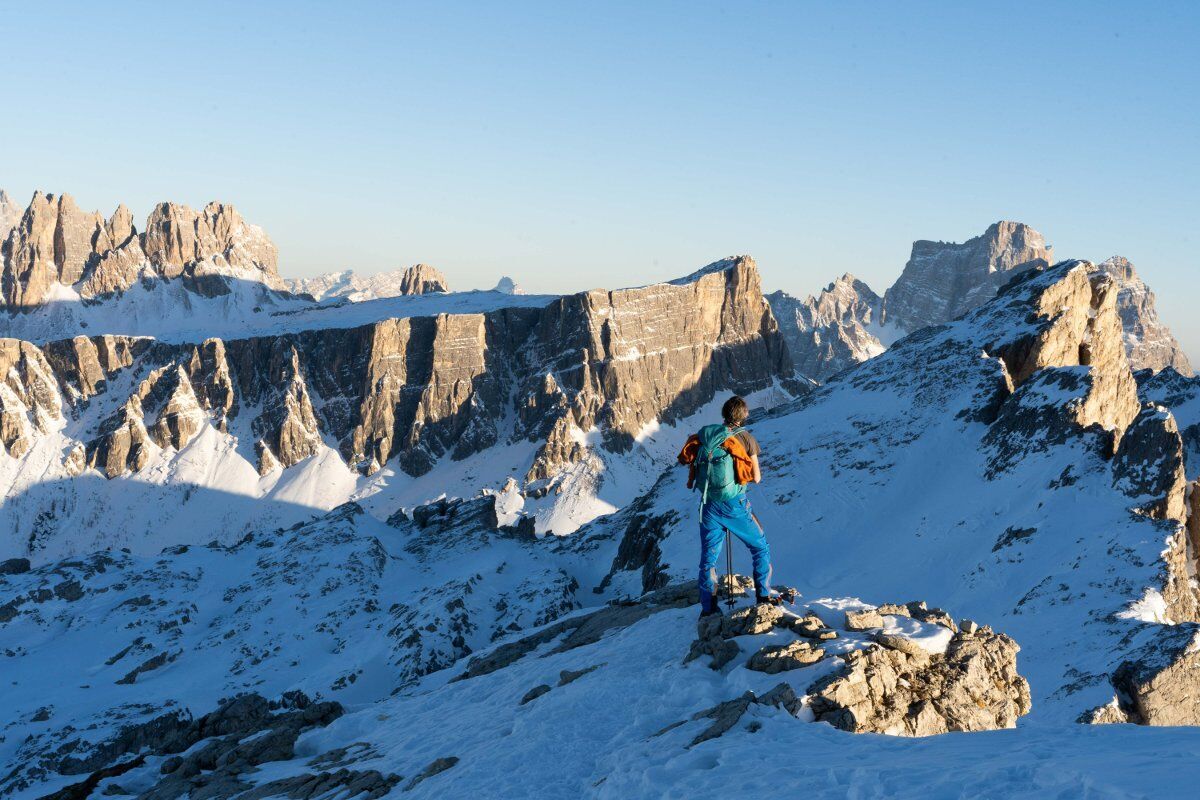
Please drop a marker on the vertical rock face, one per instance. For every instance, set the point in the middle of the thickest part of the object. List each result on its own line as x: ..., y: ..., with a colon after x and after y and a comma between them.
x: 1074, y: 323
x: 832, y: 331
x: 181, y: 417
x: 1148, y: 341
x: 622, y: 359
x: 422, y: 279
x: 178, y: 237
x: 413, y: 390
x: 29, y: 400
x: 10, y: 214
x: 1158, y: 684
x: 943, y: 280
x: 54, y: 242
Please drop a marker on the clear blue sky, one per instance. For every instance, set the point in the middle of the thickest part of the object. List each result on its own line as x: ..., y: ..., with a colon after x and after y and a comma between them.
x: 574, y: 145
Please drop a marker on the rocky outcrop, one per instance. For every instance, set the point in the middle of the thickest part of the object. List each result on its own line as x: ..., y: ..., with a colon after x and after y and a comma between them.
x: 1066, y: 368
x: 904, y: 691
x: 883, y: 682
x: 218, y: 751
x: 56, y: 243
x: 1160, y: 683
x: 943, y: 280
x: 29, y: 399
x: 422, y: 279
x: 1148, y: 342
x: 832, y: 331
x: 10, y: 214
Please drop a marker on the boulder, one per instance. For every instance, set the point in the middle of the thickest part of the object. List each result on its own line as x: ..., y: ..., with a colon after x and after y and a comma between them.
x: 864, y: 620
x: 774, y: 659
x: 14, y: 566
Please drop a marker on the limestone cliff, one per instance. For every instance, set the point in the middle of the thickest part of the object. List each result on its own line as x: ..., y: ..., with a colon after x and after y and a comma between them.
x: 1149, y: 343
x: 943, y: 280
x: 410, y: 391
x: 55, y: 243
x: 832, y: 331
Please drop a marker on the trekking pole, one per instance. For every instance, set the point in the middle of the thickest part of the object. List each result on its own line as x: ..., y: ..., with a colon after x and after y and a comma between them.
x: 728, y: 571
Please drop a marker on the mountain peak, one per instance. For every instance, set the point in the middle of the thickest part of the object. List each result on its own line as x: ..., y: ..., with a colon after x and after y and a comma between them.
x: 54, y: 243
x: 423, y: 279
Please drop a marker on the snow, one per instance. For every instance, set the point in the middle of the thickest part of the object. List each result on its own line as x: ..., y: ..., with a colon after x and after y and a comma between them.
x: 167, y: 311
x: 879, y: 488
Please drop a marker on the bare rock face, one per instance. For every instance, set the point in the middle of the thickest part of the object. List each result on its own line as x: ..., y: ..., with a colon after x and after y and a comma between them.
x: 1066, y: 369
x: 624, y: 358
x: 1160, y: 683
x: 422, y: 279
x: 29, y: 398
x: 943, y: 280
x: 45, y: 247
x: 973, y: 687
x: 1149, y: 468
x: 1148, y: 342
x: 288, y: 428
x: 181, y: 417
x: 832, y: 331
x: 178, y: 237
x: 1149, y: 464
x: 10, y: 214
x: 124, y: 444
x: 54, y: 242
x: 414, y: 390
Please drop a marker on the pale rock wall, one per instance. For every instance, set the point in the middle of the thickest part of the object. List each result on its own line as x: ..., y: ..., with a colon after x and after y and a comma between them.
x: 411, y: 391
x: 54, y: 242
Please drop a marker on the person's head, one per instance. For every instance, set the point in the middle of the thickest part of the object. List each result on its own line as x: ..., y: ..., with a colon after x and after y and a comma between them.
x: 735, y: 411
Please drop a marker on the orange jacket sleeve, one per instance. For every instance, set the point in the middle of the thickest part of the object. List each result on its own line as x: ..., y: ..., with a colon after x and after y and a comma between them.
x: 688, y: 456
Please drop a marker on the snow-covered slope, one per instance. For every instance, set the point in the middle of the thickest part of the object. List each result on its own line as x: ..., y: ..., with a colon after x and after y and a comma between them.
x: 1000, y: 466
x: 971, y: 465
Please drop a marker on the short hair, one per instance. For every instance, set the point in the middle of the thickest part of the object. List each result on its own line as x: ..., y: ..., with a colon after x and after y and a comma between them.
x: 735, y: 411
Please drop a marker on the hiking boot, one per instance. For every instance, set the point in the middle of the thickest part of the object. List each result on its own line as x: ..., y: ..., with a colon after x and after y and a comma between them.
x: 708, y: 612
x: 776, y: 598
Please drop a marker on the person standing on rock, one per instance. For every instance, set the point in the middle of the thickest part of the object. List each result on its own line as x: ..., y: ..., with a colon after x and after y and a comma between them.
x: 722, y: 459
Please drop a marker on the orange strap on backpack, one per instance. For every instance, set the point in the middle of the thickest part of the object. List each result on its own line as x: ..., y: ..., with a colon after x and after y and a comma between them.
x: 743, y: 466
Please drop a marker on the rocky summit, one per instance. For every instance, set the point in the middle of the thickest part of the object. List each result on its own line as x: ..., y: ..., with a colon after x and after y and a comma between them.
x: 847, y: 323
x: 367, y: 536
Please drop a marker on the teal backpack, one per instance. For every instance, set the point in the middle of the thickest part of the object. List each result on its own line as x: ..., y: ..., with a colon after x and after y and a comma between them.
x: 715, y: 477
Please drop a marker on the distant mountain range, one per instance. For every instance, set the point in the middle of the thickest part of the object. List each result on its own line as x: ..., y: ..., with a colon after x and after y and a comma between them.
x: 848, y: 323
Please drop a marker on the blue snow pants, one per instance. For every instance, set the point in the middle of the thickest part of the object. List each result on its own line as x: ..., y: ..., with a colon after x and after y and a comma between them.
x: 719, y: 516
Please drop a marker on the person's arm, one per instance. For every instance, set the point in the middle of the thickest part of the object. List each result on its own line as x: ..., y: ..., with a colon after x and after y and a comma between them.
x: 757, y: 471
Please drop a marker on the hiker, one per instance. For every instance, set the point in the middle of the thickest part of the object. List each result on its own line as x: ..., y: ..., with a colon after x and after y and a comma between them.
x: 722, y: 460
